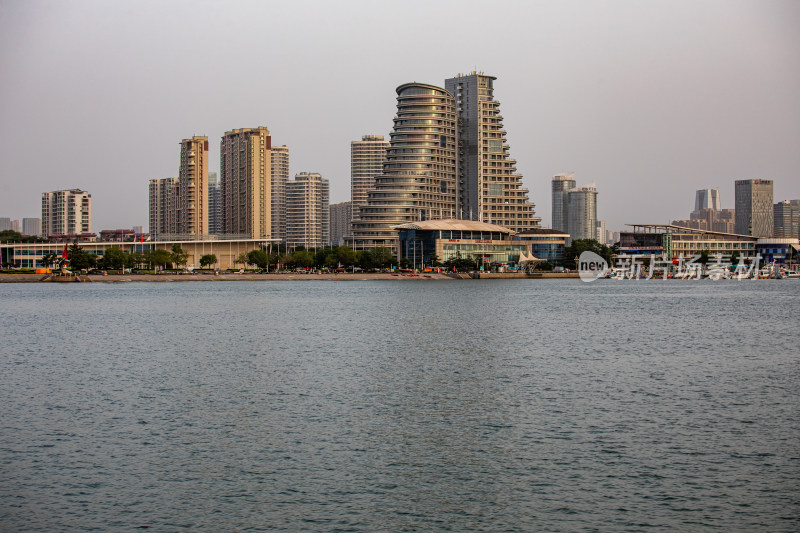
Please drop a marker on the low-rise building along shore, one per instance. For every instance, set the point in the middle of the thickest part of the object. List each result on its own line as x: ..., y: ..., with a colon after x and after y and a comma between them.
x: 30, y: 255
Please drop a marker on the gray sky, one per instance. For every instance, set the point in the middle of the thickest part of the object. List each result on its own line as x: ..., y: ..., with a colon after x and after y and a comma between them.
x: 650, y: 99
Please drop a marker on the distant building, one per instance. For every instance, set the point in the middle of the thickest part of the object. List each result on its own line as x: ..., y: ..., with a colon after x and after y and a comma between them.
x: 546, y: 244
x: 754, y: 205
x: 5, y: 224
x: 600, y: 231
x: 486, y: 245
x: 193, y: 210
x: 32, y: 226
x: 66, y: 212
x: 786, y: 219
x: 341, y: 215
x: 138, y: 229
x: 412, y: 187
x: 214, y: 205
x: 367, y: 158
x: 561, y: 184
x: 245, y: 177
x: 279, y: 175
x: 707, y: 199
x: 123, y: 235
x: 582, y: 212
x: 307, y: 211
x: 674, y: 242
x: 725, y: 221
x: 489, y: 187
x: 163, y: 204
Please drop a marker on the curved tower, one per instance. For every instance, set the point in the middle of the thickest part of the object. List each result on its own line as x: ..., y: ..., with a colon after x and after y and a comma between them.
x: 419, y: 177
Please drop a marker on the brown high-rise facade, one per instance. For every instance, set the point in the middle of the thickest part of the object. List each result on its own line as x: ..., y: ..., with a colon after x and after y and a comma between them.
x: 279, y: 176
x: 489, y: 186
x: 192, y: 216
x: 245, y: 182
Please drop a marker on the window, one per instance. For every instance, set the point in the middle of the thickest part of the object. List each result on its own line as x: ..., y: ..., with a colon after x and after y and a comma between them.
x: 495, y: 146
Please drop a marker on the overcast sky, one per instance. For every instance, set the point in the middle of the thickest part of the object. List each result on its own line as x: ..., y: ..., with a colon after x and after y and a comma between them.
x: 650, y: 100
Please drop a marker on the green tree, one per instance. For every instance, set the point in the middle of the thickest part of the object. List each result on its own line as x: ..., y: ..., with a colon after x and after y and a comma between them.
x: 346, y: 256
x: 49, y: 260
x: 137, y: 259
x: 9, y: 235
x: 705, y: 255
x: 114, y: 258
x: 208, y: 260
x: 80, y: 259
x: 241, y: 259
x: 303, y: 259
x: 434, y: 259
x: 382, y: 257
x: 578, y: 246
x: 159, y: 258
x: 735, y: 258
x: 179, y: 256
x: 259, y: 258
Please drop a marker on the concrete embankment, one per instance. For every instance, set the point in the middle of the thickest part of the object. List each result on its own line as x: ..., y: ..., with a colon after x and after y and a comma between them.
x: 117, y: 278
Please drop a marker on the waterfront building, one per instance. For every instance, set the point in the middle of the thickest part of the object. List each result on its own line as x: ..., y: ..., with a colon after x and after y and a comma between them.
x: 489, y: 188
x: 487, y: 245
x: 545, y: 244
x: 781, y: 251
x: 307, y: 211
x: 66, y: 212
x: 245, y: 182
x: 193, y: 210
x: 214, y: 205
x: 367, y: 158
x: 163, y: 207
x: 707, y: 199
x: 419, y: 177
x: 754, y: 206
x: 786, y: 217
x: 279, y: 175
x: 32, y: 226
x: 30, y: 255
x: 674, y: 242
x: 341, y: 216
x: 561, y: 184
x: 582, y: 212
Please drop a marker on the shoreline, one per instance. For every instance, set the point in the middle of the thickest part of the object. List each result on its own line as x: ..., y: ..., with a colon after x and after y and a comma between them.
x: 127, y: 278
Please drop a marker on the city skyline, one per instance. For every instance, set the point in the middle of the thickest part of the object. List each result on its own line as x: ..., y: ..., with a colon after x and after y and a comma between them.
x: 644, y: 99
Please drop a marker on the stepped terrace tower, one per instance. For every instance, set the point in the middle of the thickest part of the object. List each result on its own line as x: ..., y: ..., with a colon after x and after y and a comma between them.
x: 489, y: 187
x: 419, y: 177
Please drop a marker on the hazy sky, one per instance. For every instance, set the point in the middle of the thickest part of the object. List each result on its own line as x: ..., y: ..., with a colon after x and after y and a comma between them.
x: 651, y: 100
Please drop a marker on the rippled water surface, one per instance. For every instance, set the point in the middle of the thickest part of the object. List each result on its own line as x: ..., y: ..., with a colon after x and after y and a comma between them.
x: 401, y: 406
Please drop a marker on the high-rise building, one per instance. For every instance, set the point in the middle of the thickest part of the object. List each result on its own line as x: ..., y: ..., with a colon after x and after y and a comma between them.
x: 341, y: 215
x: 707, y: 199
x: 582, y: 209
x: 725, y: 221
x: 245, y: 175
x: 163, y: 203
x: 214, y: 204
x: 32, y: 226
x: 66, y: 212
x: 193, y: 187
x: 279, y: 176
x: 307, y: 211
x: 786, y: 216
x: 367, y: 158
x: 754, y: 206
x: 600, y: 231
x: 5, y: 224
x: 489, y: 188
x: 560, y: 185
x: 419, y: 178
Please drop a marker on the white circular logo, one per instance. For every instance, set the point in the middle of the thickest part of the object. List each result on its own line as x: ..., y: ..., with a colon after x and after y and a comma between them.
x: 591, y: 266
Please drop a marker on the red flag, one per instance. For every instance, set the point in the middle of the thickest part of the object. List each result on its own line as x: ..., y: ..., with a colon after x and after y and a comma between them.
x: 64, y: 253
